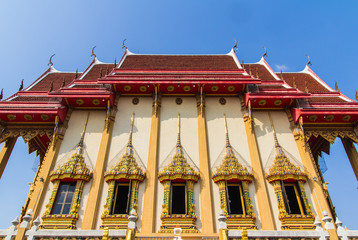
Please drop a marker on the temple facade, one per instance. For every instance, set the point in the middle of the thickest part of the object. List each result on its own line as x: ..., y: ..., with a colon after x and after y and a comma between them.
x: 176, y: 141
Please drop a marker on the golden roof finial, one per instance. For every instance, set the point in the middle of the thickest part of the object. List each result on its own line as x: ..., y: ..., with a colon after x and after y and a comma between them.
x: 356, y: 95
x: 93, y: 54
x: 76, y: 75
x: 235, y: 46
x: 129, y: 144
x: 115, y: 62
x: 277, y: 145
x: 309, y: 61
x: 50, y: 61
x: 265, y: 54
x: 306, y: 87
x: 80, y: 144
x: 281, y: 75
x: 227, y: 140
x: 2, y: 93
x: 123, y: 45
x: 242, y: 63
x: 336, y: 85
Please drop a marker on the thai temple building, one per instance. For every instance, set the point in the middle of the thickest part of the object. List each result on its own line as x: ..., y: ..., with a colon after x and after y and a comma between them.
x: 178, y: 146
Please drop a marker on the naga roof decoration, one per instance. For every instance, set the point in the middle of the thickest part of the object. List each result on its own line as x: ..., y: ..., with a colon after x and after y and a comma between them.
x: 231, y: 169
x: 283, y: 168
x: 127, y: 167
x: 75, y: 168
x: 178, y: 168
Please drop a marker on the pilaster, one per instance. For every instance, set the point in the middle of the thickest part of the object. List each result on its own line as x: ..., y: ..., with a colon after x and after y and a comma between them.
x: 151, y: 182
x: 36, y: 197
x: 311, y: 169
x: 90, y: 216
x: 6, y: 152
x: 206, y: 196
x: 262, y: 195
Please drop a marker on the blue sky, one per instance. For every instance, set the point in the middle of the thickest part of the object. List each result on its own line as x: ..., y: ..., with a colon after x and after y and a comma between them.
x: 31, y: 31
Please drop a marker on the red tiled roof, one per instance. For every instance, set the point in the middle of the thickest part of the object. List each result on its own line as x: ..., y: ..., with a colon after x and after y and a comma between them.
x: 179, y: 62
x: 326, y: 99
x: 57, y: 79
x: 258, y: 70
x: 95, y: 72
x: 300, y: 78
x: 31, y: 99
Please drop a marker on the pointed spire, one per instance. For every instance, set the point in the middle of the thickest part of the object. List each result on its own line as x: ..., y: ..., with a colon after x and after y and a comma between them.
x: 129, y: 144
x: 115, y: 62
x: 21, y: 85
x: 76, y: 73
x: 277, y: 145
x: 281, y: 75
x: 227, y: 140
x: 63, y: 82
x: 79, y: 149
x: 179, y: 147
x: 242, y: 63
x: 2, y: 93
x: 336, y: 85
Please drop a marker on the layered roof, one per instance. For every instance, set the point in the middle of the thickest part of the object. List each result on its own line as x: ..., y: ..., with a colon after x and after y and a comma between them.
x: 54, y: 92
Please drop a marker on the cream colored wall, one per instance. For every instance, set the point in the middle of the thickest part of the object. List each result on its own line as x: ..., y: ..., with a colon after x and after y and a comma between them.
x: 91, y: 144
x: 265, y: 140
x: 140, y: 140
x: 167, y: 141
x: 216, y: 140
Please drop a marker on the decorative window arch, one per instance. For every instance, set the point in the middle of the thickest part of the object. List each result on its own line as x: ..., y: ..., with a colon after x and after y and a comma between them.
x: 233, y: 180
x: 288, y: 181
x: 68, y: 180
x: 123, y: 181
x: 178, y: 178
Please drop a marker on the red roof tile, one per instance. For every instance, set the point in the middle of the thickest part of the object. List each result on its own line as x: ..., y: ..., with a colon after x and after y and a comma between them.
x: 326, y: 99
x: 179, y: 62
x: 57, y: 79
x: 98, y: 70
x: 300, y: 78
x: 258, y: 70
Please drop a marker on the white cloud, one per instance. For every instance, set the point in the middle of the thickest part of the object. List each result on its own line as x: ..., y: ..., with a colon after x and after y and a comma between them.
x: 282, y: 67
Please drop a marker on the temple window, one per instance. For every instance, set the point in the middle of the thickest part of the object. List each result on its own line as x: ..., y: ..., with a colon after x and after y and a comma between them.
x: 234, y: 197
x: 121, y: 198
x: 288, y: 181
x: 178, y: 198
x: 233, y: 180
x: 123, y: 180
x: 292, y: 198
x: 64, y: 197
x: 68, y: 181
x: 178, y: 178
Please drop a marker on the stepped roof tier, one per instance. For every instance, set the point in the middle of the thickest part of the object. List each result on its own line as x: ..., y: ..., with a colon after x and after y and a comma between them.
x: 54, y: 92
